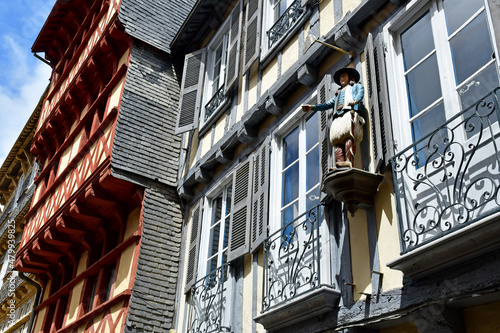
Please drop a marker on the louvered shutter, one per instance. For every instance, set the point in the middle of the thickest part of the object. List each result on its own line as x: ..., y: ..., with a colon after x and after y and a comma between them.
x: 325, y: 94
x: 380, y: 119
x: 192, y: 255
x: 260, y: 195
x: 252, y: 33
x: 191, y: 90
x: 239, y: 230
x: 233, y: 54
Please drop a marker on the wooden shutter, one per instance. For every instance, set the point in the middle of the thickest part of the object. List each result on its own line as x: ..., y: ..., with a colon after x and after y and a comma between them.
x: 191, y: 90
x: 380, y: 119
x: 252, y: 33
x: 325, y: 149
x: 233, y: 53
x: 196, y: 217
x: 260, y: 195
x: 239, y: 230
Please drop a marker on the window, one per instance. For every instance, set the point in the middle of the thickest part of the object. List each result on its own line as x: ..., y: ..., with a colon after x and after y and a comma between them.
x: 217, y: 233
x: 214, y: 95
x: 445, y: 62
x: 279, y: 17
x: 300, y: 171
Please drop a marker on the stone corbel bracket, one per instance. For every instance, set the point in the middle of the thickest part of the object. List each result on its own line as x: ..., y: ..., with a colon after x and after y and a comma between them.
x: 354, y: 187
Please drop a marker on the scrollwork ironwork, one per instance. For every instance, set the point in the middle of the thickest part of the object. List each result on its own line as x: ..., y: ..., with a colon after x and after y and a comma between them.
x: 208, y: 303
x: 285, y: 22
x: 292, y: 260
x: 214, y: 103
x: 451, y: 177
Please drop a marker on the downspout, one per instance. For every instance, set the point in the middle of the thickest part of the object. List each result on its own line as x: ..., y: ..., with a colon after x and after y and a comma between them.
x: 37, y: 299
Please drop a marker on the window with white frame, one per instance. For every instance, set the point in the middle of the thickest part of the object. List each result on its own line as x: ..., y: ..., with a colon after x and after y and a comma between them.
x: 279, y: 17
x: 444, y: 61
x: 300, y: 170
x: 215, y: 73
x: 210, y: 294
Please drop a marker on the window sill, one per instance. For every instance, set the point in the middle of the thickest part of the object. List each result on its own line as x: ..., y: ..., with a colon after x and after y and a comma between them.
x: 310, y: 305
x: 453, y: 249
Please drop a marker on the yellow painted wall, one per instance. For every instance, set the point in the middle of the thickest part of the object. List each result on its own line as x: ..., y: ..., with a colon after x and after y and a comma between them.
x: 192, y: 152
x: 404, y: 328
x: 39, y: 320
x: 252, y: 86
x: 482, y: 319
x: 290, y: 53
x: 132, y: 223
x: 388, y: 233
x: 349, y: 6
x: 326, y: 17
x: 115, y: 95
x: 360, y: 254
x: 124, y: 270
x: 74, y: 302
x: 220, y: 128
x: 269, y: 75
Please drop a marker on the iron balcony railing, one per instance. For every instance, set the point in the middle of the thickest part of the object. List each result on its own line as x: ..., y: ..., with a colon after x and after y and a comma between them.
x: 292, y: 260
x: 285, y: 22
x: 450, y: 178
x: 213, y: 105
x: 208, y: 302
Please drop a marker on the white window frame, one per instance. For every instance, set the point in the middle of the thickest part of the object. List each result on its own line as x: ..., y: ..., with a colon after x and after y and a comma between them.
x: 395, y: 68
x: 222, y: 36
x: 288, y: 124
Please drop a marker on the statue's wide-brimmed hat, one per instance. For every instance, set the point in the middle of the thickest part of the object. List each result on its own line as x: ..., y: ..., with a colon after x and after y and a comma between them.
x: 350, y: 71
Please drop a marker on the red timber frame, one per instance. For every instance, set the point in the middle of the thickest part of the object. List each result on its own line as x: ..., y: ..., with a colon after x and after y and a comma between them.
x: 79, y: 206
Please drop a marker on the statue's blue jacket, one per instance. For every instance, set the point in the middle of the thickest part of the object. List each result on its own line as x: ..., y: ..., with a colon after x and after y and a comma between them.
x: 358, y: 93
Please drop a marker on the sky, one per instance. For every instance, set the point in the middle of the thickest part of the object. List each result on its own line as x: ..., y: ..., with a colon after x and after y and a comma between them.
x: 23, y: 78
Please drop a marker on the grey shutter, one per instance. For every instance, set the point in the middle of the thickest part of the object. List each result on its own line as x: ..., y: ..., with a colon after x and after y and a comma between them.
x: 239, y: 230
x: 325, y: 149
x: 192, y: 256
x: 252, y: 33
x: 260, y: 195
x: 380, y: 119
x: 191, y: 90
x: 233, y: 54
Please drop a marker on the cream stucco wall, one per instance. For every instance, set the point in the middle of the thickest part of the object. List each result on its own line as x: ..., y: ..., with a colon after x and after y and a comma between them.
x: 290, y: 53
x: 360, y: 255
x: 482, y: 319
x: 326, y: 17
x: 269, y: 75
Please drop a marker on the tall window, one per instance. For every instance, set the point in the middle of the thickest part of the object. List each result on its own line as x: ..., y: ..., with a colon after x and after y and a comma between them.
x: 215, y: 73
x: 219, y: 230
x: 447, y: 61
x: 300, y: 169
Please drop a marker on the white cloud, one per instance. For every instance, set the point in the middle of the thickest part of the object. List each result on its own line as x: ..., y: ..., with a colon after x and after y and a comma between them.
x: 19, y: 93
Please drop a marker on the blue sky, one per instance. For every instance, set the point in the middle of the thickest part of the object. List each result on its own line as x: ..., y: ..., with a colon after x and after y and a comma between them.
x: 23, y: 78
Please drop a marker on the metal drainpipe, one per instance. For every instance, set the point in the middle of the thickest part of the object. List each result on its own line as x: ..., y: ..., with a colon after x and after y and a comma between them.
x: 37, y: 298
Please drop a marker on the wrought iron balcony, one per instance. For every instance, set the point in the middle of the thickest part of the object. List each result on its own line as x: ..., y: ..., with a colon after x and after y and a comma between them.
x: 213, y: 105
x: 292, y: 260
x: 451, y: 178
x: 208, y: 302
x: 285, y: 22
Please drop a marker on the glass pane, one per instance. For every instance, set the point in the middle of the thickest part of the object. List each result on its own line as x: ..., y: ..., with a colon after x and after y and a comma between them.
x: 417, y: 41
x: 312, y: 174
x: 478, y: 86
x: 287, y: 216
x: 290, y: 184
x: 471, y: 48
x: 459, y: 11
x: 213, y: 245
x: 424, y: 85
x: 312, y: 199
x: 424, y: 125
x: 229, y: 194
x: 226, y: 233
x: 312, y: 133
x: 291, y: 147
x: 216, y: 209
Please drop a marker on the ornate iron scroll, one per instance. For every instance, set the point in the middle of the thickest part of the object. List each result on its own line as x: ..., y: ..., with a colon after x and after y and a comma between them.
x: 285, y: 22
x: 450, y: 178
x: 213, y: 105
